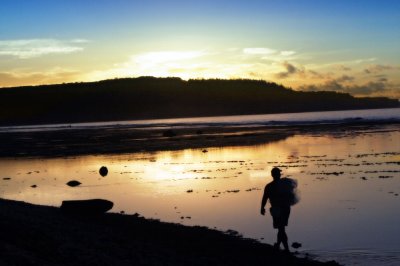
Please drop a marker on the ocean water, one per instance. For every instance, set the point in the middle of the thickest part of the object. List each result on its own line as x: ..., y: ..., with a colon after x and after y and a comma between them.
x: 289, y: 119
x: 349, y: 185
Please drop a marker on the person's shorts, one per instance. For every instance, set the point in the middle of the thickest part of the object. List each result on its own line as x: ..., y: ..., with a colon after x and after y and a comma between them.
x: 280, y: 216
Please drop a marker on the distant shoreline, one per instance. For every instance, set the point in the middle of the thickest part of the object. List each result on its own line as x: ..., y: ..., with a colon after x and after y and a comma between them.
x: 234, y: 120
x: 121, y: 121
x: 41, y: 235
x: 162, y: 98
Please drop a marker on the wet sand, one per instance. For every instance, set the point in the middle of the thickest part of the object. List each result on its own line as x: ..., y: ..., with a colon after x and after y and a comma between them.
x: 125, y: 139
x: 39, y: 235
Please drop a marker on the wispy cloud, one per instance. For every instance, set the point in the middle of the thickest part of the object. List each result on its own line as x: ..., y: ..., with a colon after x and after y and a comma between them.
x: 166, y: 56
x: 156, y: 63
x: 376, y: 68
x: 259, y: 51
x: 50, y: 76
x: 367, y: 89
x: 269, y: 54
x: 290, y: 70
x: 30, y: 48
x: 287, y: 53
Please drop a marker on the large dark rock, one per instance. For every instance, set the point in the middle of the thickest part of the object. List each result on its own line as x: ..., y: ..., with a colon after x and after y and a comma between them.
x: 86, y: 207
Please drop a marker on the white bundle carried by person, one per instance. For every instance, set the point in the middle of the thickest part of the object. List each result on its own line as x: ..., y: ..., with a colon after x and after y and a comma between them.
x: 287, y: 188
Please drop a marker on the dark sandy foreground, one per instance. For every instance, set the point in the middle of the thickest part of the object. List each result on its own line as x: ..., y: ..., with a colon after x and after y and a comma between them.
x: 39, y: 235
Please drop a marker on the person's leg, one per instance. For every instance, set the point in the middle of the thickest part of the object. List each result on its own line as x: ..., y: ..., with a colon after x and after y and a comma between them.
x: 278, y: 241
x: 282, y: 237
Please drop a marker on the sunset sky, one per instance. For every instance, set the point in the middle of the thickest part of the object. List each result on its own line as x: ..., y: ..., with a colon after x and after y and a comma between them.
x: 349, y: 46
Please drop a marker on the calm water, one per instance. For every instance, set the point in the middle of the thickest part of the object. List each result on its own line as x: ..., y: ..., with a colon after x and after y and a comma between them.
x: 308, y: 118
x: 349, y: 185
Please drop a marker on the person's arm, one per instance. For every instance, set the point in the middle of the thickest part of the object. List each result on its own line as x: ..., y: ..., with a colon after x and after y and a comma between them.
x: 264, y: 200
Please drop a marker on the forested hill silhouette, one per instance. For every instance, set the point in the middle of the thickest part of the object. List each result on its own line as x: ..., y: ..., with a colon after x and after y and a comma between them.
x: 150, y: 97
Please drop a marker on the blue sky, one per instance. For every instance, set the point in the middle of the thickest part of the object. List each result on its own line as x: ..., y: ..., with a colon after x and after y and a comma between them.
x: 310, y: 45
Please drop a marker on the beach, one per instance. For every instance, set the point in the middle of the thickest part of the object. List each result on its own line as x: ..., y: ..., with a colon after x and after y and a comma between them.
x: 39, y: 235
x: 213, y: 176
x: 199, y: 133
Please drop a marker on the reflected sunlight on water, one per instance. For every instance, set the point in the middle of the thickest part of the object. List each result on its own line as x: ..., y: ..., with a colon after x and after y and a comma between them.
x: 349, y: 186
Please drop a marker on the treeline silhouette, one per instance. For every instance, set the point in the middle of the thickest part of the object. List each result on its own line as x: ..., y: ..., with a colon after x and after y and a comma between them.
x: 150, y: 97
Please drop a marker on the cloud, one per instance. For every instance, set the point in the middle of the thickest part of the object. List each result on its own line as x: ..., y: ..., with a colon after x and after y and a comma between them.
x: 290, y: 70
x: 367, y: 89
x: 268, y: 54
x: 381, y: 78
x: 30, y: 48
x: 53, y: 76
x: 287, y: 53
x: 345, y: 78
x: 373, y: 69
x: 343, y: 68
x: 184, y: 64
x: 166, y: 56
x: 259, y: 51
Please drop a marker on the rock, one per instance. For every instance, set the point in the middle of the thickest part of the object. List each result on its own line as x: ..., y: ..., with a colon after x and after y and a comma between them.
x: 6, y: 178
x: 103, y: 171
x: 204, y: 151
x: 73, y: 183
x: 86, y: 207
x: 34, y: 186
x: 296, y: 245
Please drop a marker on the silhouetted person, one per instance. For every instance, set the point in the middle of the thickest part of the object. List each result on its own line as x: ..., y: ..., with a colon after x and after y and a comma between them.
x: 279, y: 196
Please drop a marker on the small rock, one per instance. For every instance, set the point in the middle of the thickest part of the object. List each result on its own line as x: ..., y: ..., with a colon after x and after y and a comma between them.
x: 204, y: 151
x: 385, y: 176
x: 6, y: 178
x: 296, y: 245
x: 103, y: 171
x: 189, y: 191
x: 34, y: 186
x: 73, y: 183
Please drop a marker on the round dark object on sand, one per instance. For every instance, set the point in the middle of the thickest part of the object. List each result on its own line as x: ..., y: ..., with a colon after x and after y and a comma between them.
x: 103, y: 171
x: 73, y: 183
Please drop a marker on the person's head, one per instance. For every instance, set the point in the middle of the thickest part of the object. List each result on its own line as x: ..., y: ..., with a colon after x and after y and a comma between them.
x: 276, y: 173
